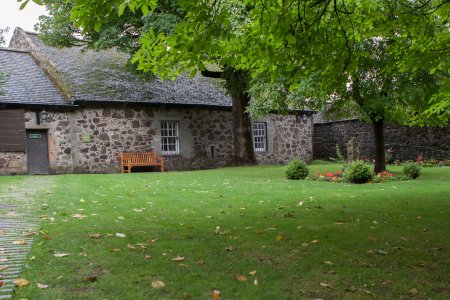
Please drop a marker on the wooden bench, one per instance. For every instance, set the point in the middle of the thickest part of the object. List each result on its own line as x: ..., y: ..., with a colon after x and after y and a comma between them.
x: 139, y: 159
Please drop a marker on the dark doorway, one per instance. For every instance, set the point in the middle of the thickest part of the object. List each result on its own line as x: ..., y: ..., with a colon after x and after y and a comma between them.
x: 37, y: 152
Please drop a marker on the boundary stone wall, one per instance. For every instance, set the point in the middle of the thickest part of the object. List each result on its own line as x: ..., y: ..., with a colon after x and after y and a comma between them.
x: 405, y: 142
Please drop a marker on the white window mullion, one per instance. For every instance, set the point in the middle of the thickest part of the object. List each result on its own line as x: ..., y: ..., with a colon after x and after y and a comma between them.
x: 259, y: 136
x: 170, y: 138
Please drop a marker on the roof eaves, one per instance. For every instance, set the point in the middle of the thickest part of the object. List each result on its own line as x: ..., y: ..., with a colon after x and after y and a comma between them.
x: 14, y: 50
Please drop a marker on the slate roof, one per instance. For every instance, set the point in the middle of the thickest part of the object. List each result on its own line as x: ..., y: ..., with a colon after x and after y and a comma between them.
x: 100, y: 76
x: 26, y: 83
x: 321, y: 118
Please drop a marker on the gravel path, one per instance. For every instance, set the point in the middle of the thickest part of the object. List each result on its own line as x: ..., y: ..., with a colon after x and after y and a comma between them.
x: 18, y: 226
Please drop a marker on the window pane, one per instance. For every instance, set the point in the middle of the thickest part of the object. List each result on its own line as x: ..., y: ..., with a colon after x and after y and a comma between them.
x: 259, y: 136
x: 169, y: 138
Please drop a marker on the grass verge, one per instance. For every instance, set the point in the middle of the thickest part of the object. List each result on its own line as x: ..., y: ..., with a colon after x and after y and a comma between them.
x: 198, y: 231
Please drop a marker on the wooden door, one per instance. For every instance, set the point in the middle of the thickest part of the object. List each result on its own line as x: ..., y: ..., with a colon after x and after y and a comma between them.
x: 37, y: 152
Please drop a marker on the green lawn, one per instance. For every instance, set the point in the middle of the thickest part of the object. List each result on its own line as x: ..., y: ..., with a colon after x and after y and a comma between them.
x: 304, y: 239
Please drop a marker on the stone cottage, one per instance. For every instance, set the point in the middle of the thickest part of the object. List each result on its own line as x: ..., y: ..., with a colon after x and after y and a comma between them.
x: 74, y: 110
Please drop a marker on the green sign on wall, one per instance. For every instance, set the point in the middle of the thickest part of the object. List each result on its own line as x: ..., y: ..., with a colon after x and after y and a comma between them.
x: 35, y: 136
x: 86, y: 138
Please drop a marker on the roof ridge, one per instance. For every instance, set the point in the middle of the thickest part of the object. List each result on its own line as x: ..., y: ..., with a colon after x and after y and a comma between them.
x: 43, y: 62
x: 29, y: 32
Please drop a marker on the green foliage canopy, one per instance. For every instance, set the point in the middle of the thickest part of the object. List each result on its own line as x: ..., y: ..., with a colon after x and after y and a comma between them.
x: 396, y: 51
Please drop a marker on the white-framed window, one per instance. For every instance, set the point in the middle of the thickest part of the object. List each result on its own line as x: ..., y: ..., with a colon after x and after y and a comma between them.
x: 170, y: 139
x: 259, y: 136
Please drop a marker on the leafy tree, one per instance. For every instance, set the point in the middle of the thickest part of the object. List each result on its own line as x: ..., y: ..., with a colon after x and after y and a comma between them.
x: 170, y: 25
x: 387, y: 61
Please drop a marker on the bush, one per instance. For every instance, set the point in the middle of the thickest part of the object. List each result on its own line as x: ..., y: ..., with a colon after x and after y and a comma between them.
x: 357, y: 172
x: 411, y: 170
x: 297, y: 169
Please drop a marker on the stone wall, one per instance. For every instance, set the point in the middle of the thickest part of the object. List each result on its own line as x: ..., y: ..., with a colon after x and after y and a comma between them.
x: 13, y: 163
x: 89, y: 140
x: 289, y: 137
x: 406, y: 142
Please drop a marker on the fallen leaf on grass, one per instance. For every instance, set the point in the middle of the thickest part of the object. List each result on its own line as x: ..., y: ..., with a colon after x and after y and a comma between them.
x: 121, y: 235
x: 230, y: 248
x: 241, y: 278
x: 255, y: 282
x: 21, y: 282
x: 327, y: 262
x: 91, y: 279
x: 130, y: 247
x: 2, y: 283
x: 61, y: 254
x: 279, y: 237
x: 95, y: 236
x: 78, y: 216
x: 20, y: 242
x: 114, y: 250
x: 148, y: 257
x: 324, y: 284
x: 414, y: 291
x: 216, y: 294
x: 42, y: 286
x: 178, y: 258
x: 185, y: 296
x: 314, y: 242
x: 199, y: 262
x: 158, y: 284
x: 252, y: 272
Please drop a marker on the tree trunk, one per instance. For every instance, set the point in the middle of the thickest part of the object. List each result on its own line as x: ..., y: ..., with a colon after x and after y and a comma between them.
x: 237, y: 85
x: 244, y: 153
x: 378, y: 134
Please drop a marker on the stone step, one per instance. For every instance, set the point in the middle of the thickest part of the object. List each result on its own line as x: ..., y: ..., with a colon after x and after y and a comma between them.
x: 11, y: 274
x: 7, y: 296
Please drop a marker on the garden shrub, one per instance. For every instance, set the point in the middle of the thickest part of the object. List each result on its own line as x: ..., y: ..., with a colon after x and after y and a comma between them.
x: 411, y: 170
x: 357, y: 172
x: 297, y: 169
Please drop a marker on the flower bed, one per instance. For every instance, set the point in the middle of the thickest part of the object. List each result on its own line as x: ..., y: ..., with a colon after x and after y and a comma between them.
x: 339, y: 177
x: 328, y: 176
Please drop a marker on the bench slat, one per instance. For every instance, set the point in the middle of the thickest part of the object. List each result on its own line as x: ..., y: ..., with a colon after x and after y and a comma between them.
x: 133, y: 159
